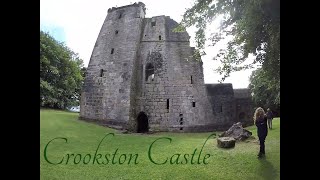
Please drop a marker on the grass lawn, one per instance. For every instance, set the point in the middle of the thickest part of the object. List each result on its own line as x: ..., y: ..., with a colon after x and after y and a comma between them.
x: 83, y: 138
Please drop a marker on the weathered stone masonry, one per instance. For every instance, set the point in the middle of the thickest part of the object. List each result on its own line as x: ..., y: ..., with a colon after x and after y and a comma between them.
x: 141, y: 68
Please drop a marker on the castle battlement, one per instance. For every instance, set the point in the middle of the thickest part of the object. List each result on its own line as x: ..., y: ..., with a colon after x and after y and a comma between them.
x: 139, y: 4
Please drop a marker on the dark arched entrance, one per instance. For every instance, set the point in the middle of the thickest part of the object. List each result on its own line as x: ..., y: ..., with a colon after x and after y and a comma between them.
x: 143, y: 123
x: 242, y: 116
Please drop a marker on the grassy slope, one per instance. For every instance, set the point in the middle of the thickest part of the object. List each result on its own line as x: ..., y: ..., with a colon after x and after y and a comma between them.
x: 238, y: 163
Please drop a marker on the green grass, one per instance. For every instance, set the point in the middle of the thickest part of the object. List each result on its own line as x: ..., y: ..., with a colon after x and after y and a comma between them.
x: 83, y: 138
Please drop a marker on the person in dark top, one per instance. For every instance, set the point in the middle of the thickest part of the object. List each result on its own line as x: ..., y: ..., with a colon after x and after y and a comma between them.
x: 260, y: 120
x: 269, y: 118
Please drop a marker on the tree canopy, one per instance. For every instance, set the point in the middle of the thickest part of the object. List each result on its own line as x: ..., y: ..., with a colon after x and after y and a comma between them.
x: 265, y: 93
x: 61, y: 76
x: 253, y: 27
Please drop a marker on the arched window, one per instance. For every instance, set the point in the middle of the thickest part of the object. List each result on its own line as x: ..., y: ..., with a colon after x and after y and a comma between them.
x: 149, y: 72
x: 242, y: 116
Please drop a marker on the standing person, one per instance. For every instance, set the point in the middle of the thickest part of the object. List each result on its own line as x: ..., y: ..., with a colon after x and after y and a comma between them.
x: 269, y: 118
x: 260, y: 120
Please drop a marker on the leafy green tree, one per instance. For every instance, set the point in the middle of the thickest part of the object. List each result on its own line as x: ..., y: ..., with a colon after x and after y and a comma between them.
x: 254, y: 28
x: 253, y: 25
x: 60, y: 74
x: 265, y: 94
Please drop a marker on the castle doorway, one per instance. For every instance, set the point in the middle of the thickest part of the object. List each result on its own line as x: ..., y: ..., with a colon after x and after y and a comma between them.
x: 143, y: 123
x: 242, y: 115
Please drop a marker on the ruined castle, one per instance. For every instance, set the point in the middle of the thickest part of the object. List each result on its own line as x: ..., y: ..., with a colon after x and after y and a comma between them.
x: 142, y: 77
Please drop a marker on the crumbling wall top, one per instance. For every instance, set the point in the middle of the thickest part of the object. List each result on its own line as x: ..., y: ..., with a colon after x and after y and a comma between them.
x: 219, y: 89
x: 242, y: 93
x: 139, y: 4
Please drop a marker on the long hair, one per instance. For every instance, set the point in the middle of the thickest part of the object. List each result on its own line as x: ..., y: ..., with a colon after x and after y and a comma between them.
x: 258, y: 113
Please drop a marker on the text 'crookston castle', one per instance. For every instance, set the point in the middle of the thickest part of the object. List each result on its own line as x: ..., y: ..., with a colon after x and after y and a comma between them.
x: 142, y: 77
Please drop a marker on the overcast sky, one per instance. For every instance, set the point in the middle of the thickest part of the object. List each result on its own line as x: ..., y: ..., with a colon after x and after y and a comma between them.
x: 77, y: 23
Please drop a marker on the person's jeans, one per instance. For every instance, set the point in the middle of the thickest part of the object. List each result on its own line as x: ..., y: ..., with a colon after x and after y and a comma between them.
x: 262, y: 147
x: 270, y: 123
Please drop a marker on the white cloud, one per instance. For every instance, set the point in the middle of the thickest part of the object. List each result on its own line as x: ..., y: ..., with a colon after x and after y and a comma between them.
x: 82, y: 20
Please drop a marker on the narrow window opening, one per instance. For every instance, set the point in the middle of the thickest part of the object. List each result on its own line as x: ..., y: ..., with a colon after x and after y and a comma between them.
x: 120, y: 15
x: 149, y: 72
x: 112, y: 50
x: 167, y: 103
x: 117, y: 32
x: 159, y: 37
x: 181, y: 121
x: 153, y: 23
x: 101, y: 72
x: 193, y: 104
x: 191, y: 80
x: 221, y: 108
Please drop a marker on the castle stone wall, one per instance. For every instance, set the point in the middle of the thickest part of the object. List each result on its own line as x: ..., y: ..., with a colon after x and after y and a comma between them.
x: 107, y: 93
x: 139, y: 65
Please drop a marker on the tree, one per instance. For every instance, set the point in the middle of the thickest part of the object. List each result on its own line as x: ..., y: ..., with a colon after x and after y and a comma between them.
x: 60, y: 74
x: 265, y: 94
x: 253, y: 25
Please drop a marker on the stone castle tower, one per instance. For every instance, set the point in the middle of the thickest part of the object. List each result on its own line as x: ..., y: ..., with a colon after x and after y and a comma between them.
x: 142, y: 76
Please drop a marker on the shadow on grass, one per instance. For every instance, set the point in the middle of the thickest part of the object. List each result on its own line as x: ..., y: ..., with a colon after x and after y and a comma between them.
x: 266, y: 170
